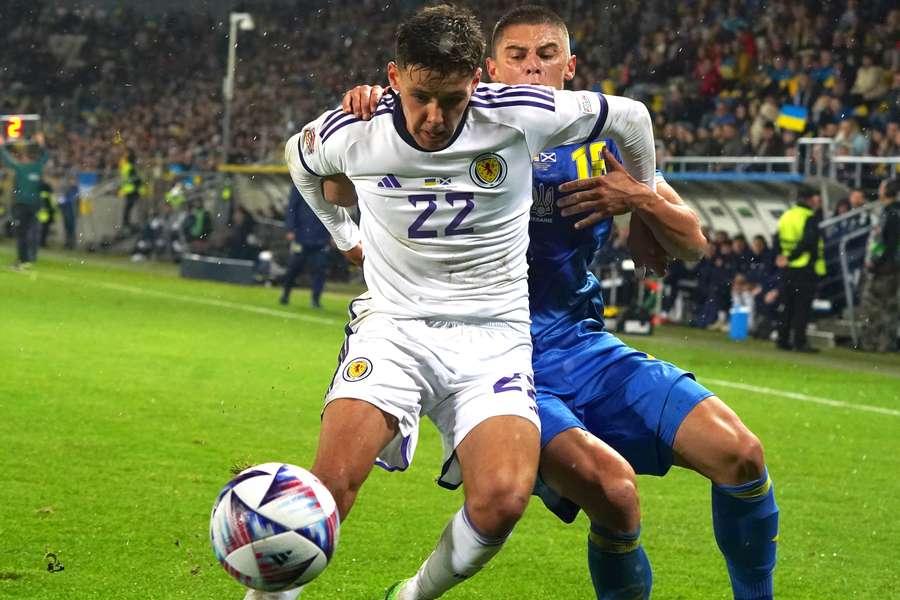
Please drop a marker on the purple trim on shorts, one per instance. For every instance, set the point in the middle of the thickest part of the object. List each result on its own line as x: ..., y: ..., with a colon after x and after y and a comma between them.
x: 404, y: 447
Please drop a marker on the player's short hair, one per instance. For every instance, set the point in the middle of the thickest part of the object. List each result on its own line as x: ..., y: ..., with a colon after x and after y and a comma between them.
x: 529, y: 14
x: 444, y: 39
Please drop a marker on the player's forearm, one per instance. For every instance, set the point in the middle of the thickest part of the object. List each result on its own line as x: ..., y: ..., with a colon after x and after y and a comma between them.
x: 675, y: 226
x: 335, y: 219
x: 628, y: 123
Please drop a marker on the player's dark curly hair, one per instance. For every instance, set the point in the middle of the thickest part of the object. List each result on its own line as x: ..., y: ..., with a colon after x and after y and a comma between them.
x: 444, y: 39
x: 529, y: 14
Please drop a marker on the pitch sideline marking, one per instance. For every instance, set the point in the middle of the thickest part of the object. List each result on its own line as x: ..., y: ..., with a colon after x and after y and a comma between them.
x: 802, y: 397
x: 323, y: 320
x: 260, y: 310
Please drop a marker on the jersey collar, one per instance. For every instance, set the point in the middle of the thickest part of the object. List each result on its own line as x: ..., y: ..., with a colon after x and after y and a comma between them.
x: 406, y: 136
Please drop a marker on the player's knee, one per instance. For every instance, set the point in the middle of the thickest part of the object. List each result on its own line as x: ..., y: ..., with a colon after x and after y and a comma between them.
x: 495, y: 508
x: 614, y: 501
x: 343, y: 488
x: 744, y: 458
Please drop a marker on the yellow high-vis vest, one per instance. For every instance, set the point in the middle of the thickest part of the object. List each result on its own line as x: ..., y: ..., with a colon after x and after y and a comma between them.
x: 790, y: 232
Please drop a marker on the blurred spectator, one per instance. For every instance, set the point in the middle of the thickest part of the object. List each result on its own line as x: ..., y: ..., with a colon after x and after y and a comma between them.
x: 850, y: 140
x: 239, y: 240
x: 197, y: 226
x: 310, y: 248
x: 770, y: 143
x: 880, y: 308
x: 68, y: 206
x: 870, y: 80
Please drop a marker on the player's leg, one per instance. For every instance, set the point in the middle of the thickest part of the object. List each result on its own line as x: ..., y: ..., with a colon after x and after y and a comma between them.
x: 713, y: 441
x: 590, y: 473
x: 499, y: 459
x: 352, y: 435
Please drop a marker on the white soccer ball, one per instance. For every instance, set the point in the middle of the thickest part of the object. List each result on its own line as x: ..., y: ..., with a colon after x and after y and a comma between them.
x: 274, y: 527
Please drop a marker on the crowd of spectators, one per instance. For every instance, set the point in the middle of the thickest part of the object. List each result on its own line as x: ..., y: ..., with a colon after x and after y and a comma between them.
x: 714, y: 72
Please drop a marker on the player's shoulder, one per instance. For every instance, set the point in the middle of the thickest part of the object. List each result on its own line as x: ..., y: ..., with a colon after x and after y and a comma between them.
x: 496, y: 101
x: 337, y: 126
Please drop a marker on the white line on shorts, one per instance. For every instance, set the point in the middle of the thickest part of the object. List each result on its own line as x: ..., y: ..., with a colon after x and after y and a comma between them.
x: 250, y: 308
x: 802, y: 397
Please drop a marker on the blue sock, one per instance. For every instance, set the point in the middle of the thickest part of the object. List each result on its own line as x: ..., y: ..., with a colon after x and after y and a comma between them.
x: 619, y: 566
x: 745, y: 520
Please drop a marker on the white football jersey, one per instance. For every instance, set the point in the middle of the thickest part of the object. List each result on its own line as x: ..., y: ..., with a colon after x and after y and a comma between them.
x: 445, y: 232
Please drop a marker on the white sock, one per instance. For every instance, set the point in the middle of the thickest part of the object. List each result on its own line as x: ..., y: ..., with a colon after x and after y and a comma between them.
x: 460, y: 553
x: 288, y: 595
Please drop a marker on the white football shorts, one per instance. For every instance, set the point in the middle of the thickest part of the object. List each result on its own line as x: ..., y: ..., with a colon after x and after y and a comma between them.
x: 458, y: 374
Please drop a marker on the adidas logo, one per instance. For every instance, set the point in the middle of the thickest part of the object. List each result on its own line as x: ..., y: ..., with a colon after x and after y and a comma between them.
x: 389, y: 181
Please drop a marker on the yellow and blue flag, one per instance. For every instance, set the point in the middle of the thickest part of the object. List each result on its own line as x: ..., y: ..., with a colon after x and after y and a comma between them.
x: 792, y: 117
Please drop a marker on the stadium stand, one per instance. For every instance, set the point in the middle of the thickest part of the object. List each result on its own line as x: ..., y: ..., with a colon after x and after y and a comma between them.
x: 749, y: 98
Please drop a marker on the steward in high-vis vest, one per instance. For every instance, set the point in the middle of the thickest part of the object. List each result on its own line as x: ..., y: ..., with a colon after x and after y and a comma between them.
x: 129, y: 187
x: 46, y: 214
x: 802, y: 260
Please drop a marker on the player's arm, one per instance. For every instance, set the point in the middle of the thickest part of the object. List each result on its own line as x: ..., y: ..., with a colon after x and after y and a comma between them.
x: 7, y: 159
x: 673, y: 224
x: 308, y: 167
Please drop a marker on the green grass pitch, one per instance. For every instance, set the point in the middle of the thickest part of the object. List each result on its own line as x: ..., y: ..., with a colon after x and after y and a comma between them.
x: 127, y: 394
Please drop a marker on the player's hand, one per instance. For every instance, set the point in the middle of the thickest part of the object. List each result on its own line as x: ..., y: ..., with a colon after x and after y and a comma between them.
x: 39, y: 138
x: 362, y: 100
x: 355, y: 254
x: 645, y: 250
x: 615, y: 193
x: 781, y: 261
x: 289, y: 236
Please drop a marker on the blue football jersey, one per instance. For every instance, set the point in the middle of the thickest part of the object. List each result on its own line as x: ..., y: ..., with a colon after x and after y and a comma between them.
x: 562, y: 291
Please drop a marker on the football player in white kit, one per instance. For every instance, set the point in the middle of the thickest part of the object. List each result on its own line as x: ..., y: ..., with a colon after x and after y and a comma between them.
x: 443, y: 175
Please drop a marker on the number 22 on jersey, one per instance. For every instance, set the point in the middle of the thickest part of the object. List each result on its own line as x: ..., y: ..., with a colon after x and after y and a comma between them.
x: 463, y: 201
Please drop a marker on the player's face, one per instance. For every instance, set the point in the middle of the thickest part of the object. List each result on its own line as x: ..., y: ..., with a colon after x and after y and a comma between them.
x: 532, y: 54
x: 432, y: 105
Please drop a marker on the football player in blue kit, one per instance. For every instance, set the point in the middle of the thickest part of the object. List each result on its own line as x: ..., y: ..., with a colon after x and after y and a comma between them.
x: 600, y: 400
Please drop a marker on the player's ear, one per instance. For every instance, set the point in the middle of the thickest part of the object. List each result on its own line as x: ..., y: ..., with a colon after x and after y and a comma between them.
x: 491, y: 65
x: 569, y: 75
x: 477, y: 79
x: 393, y: 73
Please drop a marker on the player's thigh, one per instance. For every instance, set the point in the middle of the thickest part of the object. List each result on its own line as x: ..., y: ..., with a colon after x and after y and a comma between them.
x: 713, y: 441
x: 592, y: 474
x: 352, y: 434
x: 640, y: 417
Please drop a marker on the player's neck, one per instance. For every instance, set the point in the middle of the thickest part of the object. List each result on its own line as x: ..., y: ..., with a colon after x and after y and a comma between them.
x: 400, y: 125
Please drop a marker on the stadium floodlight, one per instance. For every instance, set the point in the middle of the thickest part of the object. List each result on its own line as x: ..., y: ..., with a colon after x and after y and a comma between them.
x: 244, y: 22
